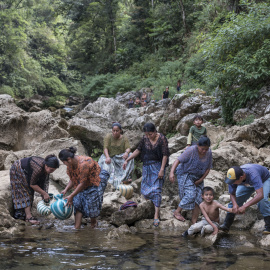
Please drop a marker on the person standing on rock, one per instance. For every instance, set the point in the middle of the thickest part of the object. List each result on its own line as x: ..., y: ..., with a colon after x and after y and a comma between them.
x: 116, y: 151
x: 243, y: 181
x: 166, y: 93
x: 195, y: 164
x: 27, y: 176
x: 88, y: 182
x: 155, y: 157
x: 178, y: 86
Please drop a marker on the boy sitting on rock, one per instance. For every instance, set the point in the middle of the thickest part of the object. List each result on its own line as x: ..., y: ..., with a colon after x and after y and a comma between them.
x: 210, y: 210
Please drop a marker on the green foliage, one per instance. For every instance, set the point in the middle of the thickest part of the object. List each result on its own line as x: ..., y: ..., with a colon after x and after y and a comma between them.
x: 246, y: 121
x: 95, y: 48
x: 236, y: 58
x: 5, y: 89
x: 52, y: 87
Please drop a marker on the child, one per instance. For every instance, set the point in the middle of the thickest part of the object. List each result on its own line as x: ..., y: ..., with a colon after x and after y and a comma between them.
x: 196, y: 131
x: 210, y: 211
x: 130, y: 103
x: 137, y: 103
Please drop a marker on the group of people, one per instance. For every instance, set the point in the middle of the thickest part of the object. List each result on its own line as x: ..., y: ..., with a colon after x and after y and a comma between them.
x: 142, y: 101
x: 88, y: 179
x: 139, y: 102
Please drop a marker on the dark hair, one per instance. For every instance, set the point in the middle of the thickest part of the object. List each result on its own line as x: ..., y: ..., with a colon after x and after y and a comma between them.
x: 67, y: 153
x: 205, y: 189
x: 198, y: 116
x: 52, y: 161
x: 149, y: 127
x: 116, y: 124
x: 204, y: 141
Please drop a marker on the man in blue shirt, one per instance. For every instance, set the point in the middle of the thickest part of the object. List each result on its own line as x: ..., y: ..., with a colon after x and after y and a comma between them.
x: 243, y: 181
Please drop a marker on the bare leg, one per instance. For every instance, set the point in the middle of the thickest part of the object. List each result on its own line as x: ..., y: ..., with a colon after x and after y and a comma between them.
x: 27, y: 211
x: 195, y: 214
x: 156, y: 213
x: 28, y: 216
x: 177, y: 214
x: 93, y: 222
x: 78, y: 220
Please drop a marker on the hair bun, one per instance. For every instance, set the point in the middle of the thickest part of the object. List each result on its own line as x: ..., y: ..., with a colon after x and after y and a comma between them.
x: 49, y: 156
x: 72, y: 149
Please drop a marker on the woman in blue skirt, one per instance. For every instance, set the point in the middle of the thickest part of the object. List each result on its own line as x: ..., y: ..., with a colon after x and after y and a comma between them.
x: 155, y: 157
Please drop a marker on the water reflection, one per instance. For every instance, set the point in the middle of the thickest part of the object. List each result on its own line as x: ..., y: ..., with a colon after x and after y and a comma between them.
x: 63, y: 248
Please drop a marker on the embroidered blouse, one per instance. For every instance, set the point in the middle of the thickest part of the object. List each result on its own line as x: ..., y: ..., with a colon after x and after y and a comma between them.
x: 86, y: 172
x: 190, y: 162
x: 154, y: 153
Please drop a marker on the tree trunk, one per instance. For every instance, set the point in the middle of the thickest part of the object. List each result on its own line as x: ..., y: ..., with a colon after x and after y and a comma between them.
x: 180, y: 3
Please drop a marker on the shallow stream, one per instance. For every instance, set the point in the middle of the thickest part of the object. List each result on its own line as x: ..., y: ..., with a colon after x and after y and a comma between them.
x: 61, y: 247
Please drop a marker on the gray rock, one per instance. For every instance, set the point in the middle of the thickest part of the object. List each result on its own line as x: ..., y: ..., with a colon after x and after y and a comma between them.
x: 132, y: 214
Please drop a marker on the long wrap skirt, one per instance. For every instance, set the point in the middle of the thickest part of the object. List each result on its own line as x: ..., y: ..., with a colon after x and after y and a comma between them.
x: 151, y: 186
x: 115, y: 169
x: 22, y: 194
x: 189, y: 193
x: 89, y: 201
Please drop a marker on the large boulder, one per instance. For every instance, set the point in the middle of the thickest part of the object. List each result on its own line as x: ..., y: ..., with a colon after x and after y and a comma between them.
x: 232, y: 154
x: 40, y: 127
x: 92, y: 123
x: 177, y: 143
x: 241, y: 115
x: 257, y: 132
x: 8, y: 225
x: 215, y: 180
x: 11, y: 120
x: 130, y: 215
x: 216, y: 134
x: 185, y: 123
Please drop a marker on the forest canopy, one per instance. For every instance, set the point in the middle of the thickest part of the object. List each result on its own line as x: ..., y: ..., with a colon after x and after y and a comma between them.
x: 92, y: 48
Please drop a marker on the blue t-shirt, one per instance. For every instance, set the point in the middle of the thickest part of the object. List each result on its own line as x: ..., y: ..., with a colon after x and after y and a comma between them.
x: 256, y: 175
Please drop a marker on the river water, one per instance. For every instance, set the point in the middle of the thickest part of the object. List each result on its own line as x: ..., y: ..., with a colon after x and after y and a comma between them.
x: 61, y: 247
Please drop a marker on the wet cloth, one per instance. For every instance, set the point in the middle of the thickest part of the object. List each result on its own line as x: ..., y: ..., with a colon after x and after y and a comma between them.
x: 20, y: 180
x: 89, y: 201
x: 189, y: 193
x: 151, y: 186
x: 116, y: 146
x: 115, y: 169
x: 202, y: 226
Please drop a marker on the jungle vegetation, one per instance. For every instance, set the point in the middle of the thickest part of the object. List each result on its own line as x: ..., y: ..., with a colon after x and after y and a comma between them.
x: 93, y: 48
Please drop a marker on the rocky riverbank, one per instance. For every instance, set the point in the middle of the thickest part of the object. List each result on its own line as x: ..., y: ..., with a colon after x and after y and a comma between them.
x: 44, y: 132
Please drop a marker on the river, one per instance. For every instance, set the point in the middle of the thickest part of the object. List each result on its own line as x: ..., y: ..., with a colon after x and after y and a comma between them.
x: 61, y: 247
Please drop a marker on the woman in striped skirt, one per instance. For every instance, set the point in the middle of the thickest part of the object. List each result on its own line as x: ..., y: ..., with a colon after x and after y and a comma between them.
x: 88, y: 182
x: 27, y: 176
x: 155, y: 157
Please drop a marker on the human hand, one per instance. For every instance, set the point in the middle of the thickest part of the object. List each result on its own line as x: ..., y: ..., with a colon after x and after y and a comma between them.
x: 241, y: 210
x: 69, y: 200
x: 235, y: 209
x: 64, y: 191
x: 172, y: 177
x: 215, y: 231
x: 198, y: 182
x: 46, y: 198
x: 161, y: 174
x: 125, y: 164
x: 125, y: 156
x: 108, y: 160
